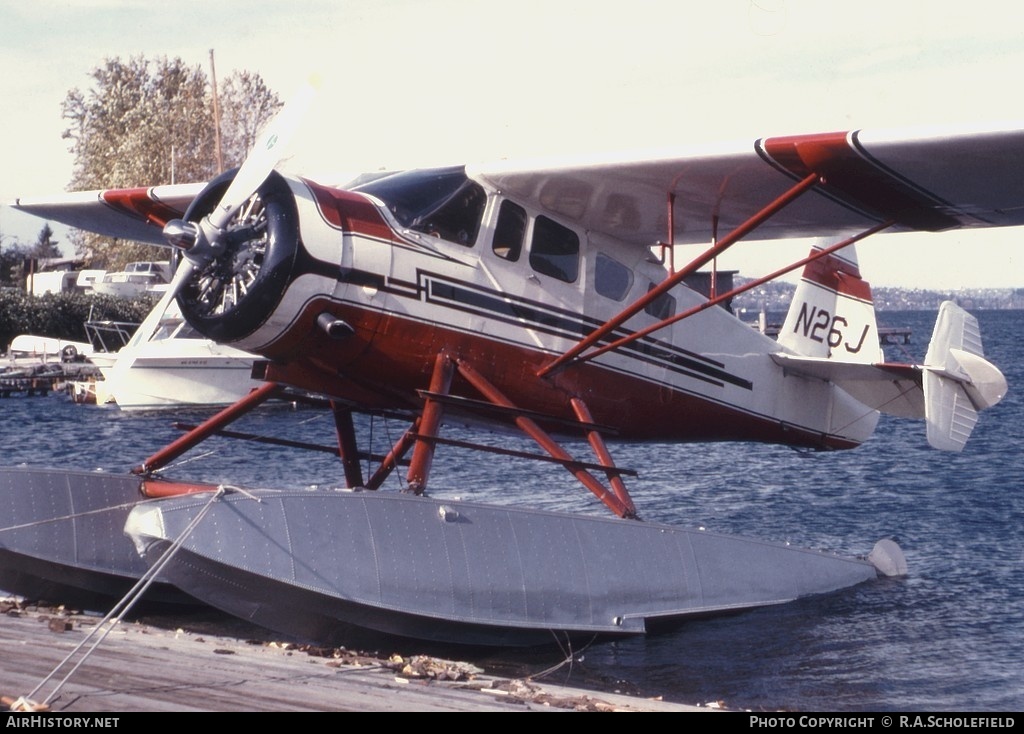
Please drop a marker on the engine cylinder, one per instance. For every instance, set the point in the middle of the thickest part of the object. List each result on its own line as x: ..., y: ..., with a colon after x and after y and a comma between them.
x: 231, y: 296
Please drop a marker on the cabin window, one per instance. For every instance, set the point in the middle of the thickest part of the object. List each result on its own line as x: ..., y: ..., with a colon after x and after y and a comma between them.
x: 612, y: 279
x: 510, y: 231
x: 662, y: 307
x: 440, y: 202
x: 555, y: 250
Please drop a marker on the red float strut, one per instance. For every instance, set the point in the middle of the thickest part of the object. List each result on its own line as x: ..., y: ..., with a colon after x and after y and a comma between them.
x: 206, y: 429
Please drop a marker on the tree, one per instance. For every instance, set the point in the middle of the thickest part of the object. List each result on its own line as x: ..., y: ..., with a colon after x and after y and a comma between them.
x: 246, y: 106
x: 12, y: 259
x: 45, y: 246
x: 146, y: 122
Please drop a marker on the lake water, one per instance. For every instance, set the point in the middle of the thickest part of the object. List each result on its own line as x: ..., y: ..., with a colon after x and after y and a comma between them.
x: 949, y: 636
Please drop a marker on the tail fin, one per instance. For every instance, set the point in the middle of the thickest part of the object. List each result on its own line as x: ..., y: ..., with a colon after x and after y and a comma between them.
x: 832, y: 315
x: 958, y: 380
x: 832, y: 322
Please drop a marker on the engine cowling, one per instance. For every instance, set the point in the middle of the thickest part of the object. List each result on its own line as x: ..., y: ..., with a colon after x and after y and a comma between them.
x: 228, y: 298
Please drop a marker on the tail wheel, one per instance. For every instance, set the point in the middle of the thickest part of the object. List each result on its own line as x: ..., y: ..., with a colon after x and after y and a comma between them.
x: 229, y: 297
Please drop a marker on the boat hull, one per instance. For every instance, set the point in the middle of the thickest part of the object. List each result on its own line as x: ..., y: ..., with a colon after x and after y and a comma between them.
x: 180, y: 371
x: 341, y: 567
x: 62, y: 539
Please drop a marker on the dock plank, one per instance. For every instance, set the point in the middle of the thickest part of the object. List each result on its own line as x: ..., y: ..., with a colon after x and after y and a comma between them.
x: 140, y: 667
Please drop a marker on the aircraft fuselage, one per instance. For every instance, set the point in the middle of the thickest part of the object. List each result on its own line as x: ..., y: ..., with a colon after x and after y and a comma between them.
x: 506, y: 288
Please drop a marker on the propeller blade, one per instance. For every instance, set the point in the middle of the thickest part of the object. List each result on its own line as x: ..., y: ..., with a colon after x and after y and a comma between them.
x: 202, y: 241
x: 265, y: 155
x: 152, y: 320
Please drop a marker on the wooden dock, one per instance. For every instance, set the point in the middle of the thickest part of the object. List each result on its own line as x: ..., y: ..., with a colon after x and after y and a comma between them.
x: 34, y: 378
x: 142, y: 667
x: 30, y: 386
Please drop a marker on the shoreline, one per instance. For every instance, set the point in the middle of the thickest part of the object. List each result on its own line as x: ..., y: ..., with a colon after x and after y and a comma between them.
x: 216, y: 666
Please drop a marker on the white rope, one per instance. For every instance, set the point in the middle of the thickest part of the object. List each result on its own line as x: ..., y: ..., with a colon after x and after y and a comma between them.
x: 86, y: 513
x: 122, y: 607
x: 197, y: 457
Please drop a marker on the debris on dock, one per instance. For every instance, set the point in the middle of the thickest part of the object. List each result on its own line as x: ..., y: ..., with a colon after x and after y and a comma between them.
x: 196, y: 674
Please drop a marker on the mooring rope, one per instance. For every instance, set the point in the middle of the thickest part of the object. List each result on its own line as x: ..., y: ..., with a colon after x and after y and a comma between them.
x: 189, y: 460
x: 72, y: 516
x: 116, y: 614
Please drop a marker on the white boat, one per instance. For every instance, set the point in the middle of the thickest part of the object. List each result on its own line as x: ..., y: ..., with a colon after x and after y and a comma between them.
x: 165, y: 363
x: 45, y: 349
x: 136, y: 279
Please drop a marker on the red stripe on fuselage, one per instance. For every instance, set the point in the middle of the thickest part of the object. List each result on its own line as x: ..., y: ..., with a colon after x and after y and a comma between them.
x: 862, y: 183
x: 388, y: 359
x: 350, y: 212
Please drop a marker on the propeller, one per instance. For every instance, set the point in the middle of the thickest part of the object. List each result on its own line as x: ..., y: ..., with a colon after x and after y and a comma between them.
x: 153, y: 318
x: 202, y: 241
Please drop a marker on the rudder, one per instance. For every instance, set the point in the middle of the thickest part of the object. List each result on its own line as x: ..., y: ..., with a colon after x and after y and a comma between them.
x: 832, y: 315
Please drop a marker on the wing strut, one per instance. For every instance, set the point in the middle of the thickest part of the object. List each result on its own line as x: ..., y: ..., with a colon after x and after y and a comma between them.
x: 674, y: 279
x: 618, y: 501
x: 633, y: 336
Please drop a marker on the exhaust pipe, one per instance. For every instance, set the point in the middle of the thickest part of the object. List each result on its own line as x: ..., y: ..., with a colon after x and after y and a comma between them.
x: 334, y: 328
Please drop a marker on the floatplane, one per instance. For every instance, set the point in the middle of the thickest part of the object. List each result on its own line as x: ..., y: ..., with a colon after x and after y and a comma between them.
x: 542, y: 298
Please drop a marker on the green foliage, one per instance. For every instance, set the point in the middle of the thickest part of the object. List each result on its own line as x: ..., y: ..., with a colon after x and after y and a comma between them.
x: 246, y: 105
x: 63, y: 315
x: 11, y: 259
x: 146, y: 122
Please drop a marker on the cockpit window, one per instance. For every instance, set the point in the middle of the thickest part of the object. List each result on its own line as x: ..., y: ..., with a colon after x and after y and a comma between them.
x: 441, y: 202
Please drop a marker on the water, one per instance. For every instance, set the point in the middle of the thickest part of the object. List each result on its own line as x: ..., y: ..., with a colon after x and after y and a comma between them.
x: 949, y: 636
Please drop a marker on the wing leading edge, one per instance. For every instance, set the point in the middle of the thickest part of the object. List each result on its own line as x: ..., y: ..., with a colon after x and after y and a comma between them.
x: 137, y: 214
x: 932, y: 180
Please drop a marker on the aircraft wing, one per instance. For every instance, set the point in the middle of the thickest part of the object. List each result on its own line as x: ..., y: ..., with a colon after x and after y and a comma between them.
x: 932, y: 180
x: 137, y: 214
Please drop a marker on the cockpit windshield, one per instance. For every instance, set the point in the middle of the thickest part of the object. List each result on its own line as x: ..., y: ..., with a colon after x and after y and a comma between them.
x: 441, y: 202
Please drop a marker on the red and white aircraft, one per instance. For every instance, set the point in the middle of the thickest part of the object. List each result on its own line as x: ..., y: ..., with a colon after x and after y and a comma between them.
x: 543, y: 297
x: 532, y: 293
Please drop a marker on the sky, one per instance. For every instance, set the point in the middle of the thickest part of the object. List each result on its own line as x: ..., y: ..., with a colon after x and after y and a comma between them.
x: 427, y: 82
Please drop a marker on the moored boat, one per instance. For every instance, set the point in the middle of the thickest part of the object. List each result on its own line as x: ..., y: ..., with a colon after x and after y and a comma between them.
x: 165, y: 363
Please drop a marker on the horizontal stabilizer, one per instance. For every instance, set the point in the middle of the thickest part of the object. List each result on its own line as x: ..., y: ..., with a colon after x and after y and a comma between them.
x: 894, y: 389
x: 948, y: 391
